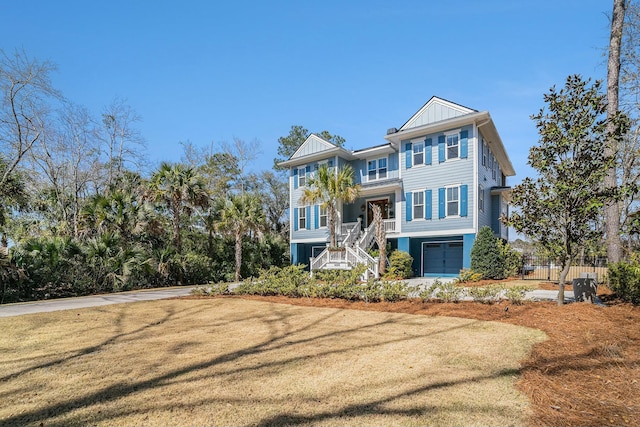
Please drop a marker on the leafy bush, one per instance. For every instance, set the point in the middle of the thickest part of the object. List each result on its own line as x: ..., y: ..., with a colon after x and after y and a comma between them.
x: 445, y: 292
x: 399, y: 265
x: 287, y: 281
x: 486, y: 294
x: 516, y: 294
x: 512, y: 259
x: 393, y: 291
x: 449, y: 292
x: 486, y: 257
x: 428, y: 293
x: 351, y: 277
x: 624, y: 280
x: 468, y: 276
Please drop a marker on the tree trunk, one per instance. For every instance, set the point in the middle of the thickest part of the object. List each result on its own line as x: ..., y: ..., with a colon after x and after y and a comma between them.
x: 381, y: 239
x: 612, y: 211
x: 238, y: 256
x: 561, y: 280
x: 331, y: 213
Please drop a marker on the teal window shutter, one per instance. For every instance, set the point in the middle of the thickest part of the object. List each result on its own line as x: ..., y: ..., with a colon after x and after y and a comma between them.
x: 464, y: 200
x: 308, y: 219
x: 442, y: 201
x: 307, y: 169
x: 427, y: 151
x: 464, y: 144
x: 441, y: 147
x: 428, y: 208
x: 316, y: 216
x: 295, y: 178
x: 295, y: 219
x: 408, y: 151
x: 408, y: 199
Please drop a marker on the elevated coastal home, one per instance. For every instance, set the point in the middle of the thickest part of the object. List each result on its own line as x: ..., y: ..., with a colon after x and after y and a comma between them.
x: 438, y: 179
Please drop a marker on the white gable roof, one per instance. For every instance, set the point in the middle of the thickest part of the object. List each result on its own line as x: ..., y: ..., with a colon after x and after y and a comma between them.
x: 435, y: 110
x: 312, y: 145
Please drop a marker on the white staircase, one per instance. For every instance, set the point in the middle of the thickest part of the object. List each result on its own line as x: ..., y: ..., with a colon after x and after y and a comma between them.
x: 353, y: 251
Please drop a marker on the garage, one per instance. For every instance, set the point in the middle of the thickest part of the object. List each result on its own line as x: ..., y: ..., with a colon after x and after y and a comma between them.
x: 442, y: 257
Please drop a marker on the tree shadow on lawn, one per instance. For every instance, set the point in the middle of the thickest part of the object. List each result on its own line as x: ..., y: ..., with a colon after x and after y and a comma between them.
x: 277, y: 339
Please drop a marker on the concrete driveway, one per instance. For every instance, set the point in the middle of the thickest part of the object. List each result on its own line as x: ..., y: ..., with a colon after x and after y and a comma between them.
x: 7, y: 310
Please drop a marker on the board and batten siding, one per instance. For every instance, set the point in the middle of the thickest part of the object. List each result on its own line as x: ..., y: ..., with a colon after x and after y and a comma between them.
x: 435, y: 113
x: 435, y: 176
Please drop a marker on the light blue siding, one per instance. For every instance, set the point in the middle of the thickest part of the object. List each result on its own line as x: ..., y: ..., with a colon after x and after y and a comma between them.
x: 467, y: 241
x: 433, y: 177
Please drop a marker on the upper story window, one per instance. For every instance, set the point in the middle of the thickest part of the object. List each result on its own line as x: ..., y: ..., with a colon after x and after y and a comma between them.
x: 418, y: 204
x: 323, y: 216
x: 302, y: 177
x: 484, y: 152
x: 418, y: 153
x: 480, y: 198
x: 494, y: 169
x: 377, y: 169
x: 453, y: 146
x: 302, y: 218
x: 453, y: 201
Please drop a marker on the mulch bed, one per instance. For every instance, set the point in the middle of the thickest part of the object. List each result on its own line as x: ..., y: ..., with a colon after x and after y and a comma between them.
x: 586, y: 373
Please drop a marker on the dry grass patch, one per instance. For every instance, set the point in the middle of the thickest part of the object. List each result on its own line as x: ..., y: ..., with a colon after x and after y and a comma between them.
x: 242, y: 362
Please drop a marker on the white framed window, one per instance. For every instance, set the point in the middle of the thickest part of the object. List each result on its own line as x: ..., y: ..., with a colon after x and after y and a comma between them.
x: 377, y: 169
x: 418, y: 153
x: 494, y: 169
x: 418, y: 204
x: 302, y: 177
x: 453, y: 201
x: 453, y: 146
x: 480, y: 198
x: 302, y: 218
x: 323, y: 217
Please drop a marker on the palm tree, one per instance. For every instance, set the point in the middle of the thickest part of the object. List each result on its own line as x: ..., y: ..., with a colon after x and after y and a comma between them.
x: 329, y: 188
x: 179, y: 189
x: 241, y: 214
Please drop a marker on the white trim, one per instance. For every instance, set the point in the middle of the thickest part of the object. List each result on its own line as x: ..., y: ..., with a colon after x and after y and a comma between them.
x: 436, y: 100
x: 377, y: 169
x: 310, y: 240
x: 436, y: 233
x: 366, y: 206
x: 436, y: 242
x: 413, y: 205
x: 476, y: 173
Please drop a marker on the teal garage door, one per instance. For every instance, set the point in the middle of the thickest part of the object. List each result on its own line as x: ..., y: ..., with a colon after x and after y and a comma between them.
x: 441, y: 258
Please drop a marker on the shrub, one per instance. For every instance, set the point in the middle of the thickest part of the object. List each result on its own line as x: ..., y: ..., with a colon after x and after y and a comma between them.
x: 516, y: 294
x: 427, y: 293
x: 486, y: 257
x: 393, y: 291
x: 447, y: 292
x: 399, y: 265
x: 486, y: 294
x: 468, y: 276
x: 624, y: 280
x: 512, y: 259
x: 344, y: 277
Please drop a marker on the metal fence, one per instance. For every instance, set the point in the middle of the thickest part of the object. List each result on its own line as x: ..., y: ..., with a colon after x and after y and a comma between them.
x: 542, y: 268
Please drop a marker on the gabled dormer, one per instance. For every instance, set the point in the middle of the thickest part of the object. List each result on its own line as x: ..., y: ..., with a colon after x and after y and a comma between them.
x: 315, y: 148
x: 436, y: 110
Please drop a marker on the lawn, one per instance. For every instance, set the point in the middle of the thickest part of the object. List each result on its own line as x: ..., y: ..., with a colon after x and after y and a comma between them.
x: 232, y: 361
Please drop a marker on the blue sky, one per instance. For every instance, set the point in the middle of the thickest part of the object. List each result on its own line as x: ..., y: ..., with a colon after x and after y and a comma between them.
x: 209, y: 71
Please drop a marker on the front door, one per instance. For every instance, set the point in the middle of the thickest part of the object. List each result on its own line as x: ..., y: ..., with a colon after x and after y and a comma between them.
x: 384, y: 206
